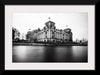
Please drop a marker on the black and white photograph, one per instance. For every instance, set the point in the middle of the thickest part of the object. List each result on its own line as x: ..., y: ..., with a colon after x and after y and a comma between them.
x: 49, y: 37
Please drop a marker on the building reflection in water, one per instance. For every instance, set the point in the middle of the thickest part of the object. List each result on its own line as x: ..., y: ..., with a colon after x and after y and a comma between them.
x: 79, y: 53
x: 64, y: 54
x: 28, y: 53
x: 49, y: 53
x: 20, y: 52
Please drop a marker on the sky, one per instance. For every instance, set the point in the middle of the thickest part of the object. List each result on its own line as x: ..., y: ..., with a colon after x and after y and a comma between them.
x: 77, y: 22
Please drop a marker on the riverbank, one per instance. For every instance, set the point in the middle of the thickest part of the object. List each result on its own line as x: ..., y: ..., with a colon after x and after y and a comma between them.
x: 47, y: 44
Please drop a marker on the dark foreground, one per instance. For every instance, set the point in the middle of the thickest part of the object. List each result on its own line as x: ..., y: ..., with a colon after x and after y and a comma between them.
x: 31, y: 54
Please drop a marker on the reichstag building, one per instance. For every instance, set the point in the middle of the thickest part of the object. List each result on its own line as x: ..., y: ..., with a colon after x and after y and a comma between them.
x: 50, y: 34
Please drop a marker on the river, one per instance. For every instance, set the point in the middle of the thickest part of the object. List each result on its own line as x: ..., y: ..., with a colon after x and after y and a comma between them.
x: 31, y: 54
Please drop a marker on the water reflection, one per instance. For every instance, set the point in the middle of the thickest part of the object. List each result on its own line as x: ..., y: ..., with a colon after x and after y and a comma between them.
x: 49, y: 53
x: 20, y: 52
x: 64, y: 53
x: 79, y: 53
x: 28, y: 53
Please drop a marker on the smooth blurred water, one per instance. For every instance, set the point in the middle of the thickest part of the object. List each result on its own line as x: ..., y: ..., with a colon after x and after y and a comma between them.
x: 50, y: 54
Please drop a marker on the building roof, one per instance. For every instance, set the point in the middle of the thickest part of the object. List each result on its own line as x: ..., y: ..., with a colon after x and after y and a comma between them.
x: 50, y: 24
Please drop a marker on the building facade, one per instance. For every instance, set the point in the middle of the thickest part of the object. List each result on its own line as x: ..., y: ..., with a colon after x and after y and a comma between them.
x: 50, y: 34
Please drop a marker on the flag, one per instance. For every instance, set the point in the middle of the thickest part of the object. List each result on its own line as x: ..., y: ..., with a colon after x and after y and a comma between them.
x: 66, y: 25
x: 49, y: 18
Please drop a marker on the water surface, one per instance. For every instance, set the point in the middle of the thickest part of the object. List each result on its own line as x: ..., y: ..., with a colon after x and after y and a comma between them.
x: 50, y: 53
